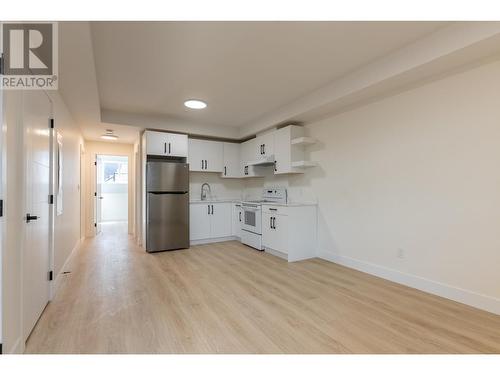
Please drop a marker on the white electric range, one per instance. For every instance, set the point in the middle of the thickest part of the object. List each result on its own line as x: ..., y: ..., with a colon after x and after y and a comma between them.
x: 251, y: 224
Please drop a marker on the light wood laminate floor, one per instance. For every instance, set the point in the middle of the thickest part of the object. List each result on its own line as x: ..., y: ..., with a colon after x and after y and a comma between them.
x: 228, y: 298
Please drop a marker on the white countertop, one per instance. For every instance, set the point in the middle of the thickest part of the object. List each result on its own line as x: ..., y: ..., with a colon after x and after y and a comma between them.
x: 216, y: 200
x: 236, y: 200
x: 290, y: 204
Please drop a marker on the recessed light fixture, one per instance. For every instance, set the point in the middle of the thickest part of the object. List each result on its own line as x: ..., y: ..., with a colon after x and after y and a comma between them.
x: 195, y: 104
x: 109, y: 135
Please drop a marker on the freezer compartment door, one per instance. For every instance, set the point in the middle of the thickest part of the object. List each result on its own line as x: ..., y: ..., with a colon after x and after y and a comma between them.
x: 167, y: 222
x: 162, y: 176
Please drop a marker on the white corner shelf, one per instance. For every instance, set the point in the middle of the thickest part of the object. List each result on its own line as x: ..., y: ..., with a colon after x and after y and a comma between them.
x: 304, y: 164
x: 303, y: 141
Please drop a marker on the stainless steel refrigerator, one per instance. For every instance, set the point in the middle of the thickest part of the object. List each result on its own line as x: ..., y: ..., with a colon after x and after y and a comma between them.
x: 167, y: 207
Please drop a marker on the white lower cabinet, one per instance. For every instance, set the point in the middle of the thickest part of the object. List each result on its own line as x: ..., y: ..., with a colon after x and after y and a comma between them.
x: 221, y: 220
x: 290, y: 231
x: 210, y: 220
x: 199, y: 221
x: 237, y: 219
x: 275, y: 231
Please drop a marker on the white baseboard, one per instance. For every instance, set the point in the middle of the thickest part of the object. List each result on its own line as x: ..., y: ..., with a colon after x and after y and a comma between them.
x: 480, y: 301
x: 58, y: 278
x: 17, y: 348
x: 213, y: 240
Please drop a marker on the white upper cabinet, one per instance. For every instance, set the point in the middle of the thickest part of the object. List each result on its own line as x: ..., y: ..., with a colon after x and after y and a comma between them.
x: 286, y: 153
x: 166, y: 144
x: 205, y: 156
x: 248, y: 154
x: 231, y: 164
x: 265, y: 145
x: 177, y: 145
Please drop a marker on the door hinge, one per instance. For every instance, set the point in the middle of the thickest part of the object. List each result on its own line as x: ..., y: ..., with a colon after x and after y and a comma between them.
x: 95, y: 225
x: 51, y: 199
x: 51, y: 275
x: 51, y: 122
x: 95, y: 163
x: 95, y: 194
x: 1, y: 207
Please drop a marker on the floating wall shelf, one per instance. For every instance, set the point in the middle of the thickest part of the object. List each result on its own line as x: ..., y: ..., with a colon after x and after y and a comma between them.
x: 304, y: 164
x: 303, y: 141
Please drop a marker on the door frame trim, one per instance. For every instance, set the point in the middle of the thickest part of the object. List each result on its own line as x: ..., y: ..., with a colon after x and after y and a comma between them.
x: 94, y: 185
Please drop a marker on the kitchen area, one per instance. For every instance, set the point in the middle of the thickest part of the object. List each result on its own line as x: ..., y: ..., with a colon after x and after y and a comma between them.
x: 216, y: 190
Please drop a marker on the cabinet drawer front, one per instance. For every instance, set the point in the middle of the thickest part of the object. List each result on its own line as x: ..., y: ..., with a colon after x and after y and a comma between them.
x: 275, y: 210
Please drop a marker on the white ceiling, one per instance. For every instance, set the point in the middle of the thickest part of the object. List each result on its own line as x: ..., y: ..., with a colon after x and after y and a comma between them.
x: 128, y: 76
x: 243, y: 70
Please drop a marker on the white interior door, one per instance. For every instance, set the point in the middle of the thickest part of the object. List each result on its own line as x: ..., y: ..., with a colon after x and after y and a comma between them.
x: 98, y: 195
x: 36, y: 114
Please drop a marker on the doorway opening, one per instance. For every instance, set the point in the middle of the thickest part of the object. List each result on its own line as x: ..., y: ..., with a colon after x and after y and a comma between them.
x: 111, y: 196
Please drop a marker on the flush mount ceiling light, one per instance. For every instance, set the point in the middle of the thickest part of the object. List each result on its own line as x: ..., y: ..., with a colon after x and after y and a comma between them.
x: 195, y: 104
x: 109, y: 135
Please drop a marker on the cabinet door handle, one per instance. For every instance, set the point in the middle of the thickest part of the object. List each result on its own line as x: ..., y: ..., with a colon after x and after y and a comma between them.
x: 202, y: 164
x: 208, y: 209
x: 212, y: 209
x: 169, y: 148
x: 274, y: 223
x: 263, y: 149
x: 240, y: 215
x: 271, y: 222
x: 225, y: 171
x: 206, y: 164
x: 275, y: 167
x: 165, y: 147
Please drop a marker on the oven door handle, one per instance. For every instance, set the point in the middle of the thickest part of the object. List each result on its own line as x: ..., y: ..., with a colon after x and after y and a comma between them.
x: 251, y: 209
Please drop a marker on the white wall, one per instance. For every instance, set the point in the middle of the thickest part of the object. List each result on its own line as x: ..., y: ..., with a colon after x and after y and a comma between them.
x: 67, y: 234
x: 420, y: 172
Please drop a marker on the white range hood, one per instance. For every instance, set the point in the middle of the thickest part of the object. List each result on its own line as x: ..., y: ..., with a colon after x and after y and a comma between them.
x: 265, y: 160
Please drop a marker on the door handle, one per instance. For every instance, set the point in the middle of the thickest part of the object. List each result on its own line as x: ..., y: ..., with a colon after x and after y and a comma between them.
x: 263, y: 149
x: 212, y: 209
x: 225, y: 171
x: 206, y: 164
x: 275, y: 168
x: 169, y: 147
x: 271, y: 222
x: 202, y: 164
x: 208, y: 209
x: 31, y: 218
x: 274, y: 223
x: 165, y: 147
x: 240, y: 215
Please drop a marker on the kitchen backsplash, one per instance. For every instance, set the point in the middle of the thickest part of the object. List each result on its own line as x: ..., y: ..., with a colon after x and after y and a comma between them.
x: 220, y: 187
x: 250, y: 188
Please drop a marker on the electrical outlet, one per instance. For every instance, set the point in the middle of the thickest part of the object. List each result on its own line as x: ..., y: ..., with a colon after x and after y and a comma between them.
x: 401, y: 253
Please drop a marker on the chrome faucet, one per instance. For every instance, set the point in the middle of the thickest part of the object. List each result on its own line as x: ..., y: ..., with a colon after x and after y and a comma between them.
x: 203, y: 192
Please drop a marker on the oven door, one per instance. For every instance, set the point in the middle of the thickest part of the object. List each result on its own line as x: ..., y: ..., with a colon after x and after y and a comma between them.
x: 252, y: 219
